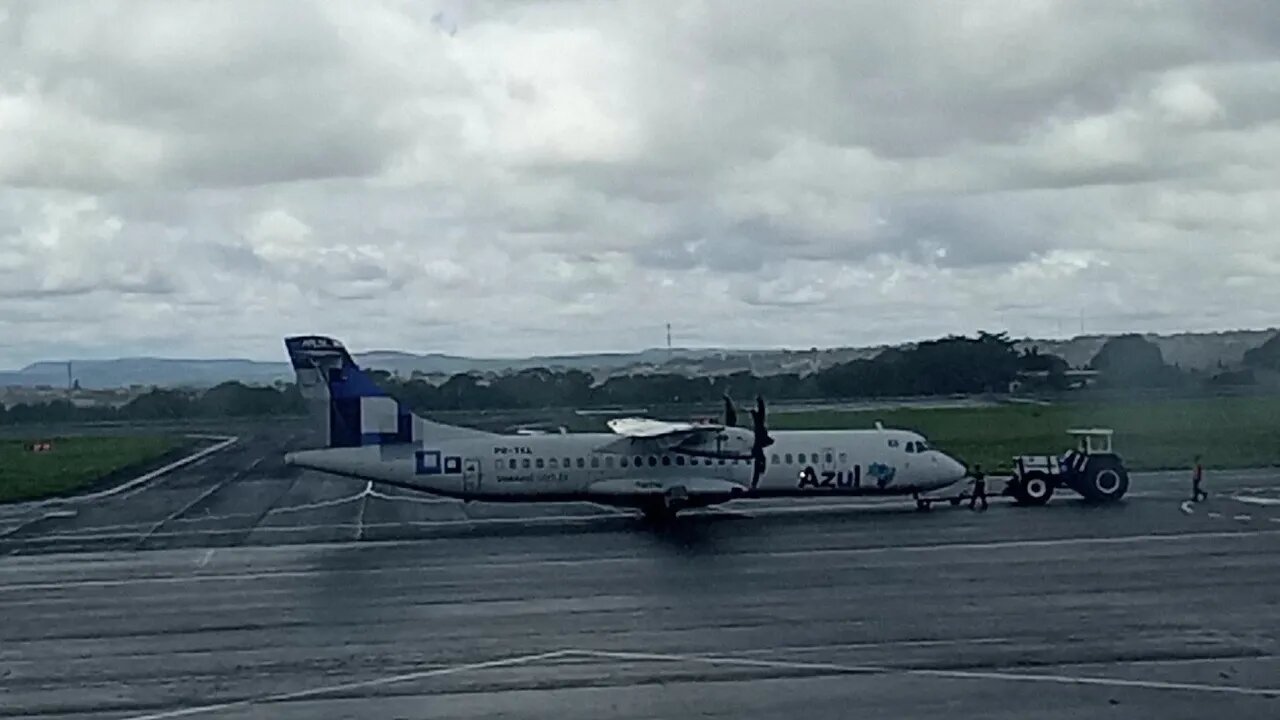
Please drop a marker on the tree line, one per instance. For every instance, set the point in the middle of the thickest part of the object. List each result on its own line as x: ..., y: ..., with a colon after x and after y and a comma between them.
x: 986, y: 363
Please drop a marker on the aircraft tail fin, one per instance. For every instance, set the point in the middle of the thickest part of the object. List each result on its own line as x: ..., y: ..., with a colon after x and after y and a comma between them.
x: 352, y: 409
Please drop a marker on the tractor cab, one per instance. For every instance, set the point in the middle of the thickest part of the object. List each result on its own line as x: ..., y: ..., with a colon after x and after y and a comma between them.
x: 1092, y: 441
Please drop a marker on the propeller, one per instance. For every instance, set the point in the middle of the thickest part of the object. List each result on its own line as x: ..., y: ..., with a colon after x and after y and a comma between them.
x: 760, y: 441
x: 730, y: 414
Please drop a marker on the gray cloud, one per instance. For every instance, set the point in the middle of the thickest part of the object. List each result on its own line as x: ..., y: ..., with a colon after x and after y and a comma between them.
x: 513, y: 177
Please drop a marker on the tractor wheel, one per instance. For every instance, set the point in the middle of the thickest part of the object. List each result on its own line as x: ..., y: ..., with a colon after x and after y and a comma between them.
x: 1035, y: 489
x: 1104, y: 479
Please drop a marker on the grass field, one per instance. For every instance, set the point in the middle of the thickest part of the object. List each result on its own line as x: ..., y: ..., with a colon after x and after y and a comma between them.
x: 74, y: 463
x: 1149, y: 434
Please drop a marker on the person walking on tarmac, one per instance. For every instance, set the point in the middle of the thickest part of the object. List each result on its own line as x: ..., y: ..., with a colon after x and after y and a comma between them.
x: 1197, y: 476
x: 979, y: 488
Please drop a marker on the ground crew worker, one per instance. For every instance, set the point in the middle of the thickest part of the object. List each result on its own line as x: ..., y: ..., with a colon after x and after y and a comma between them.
x: 1197, y: 475
x: 979, y: 488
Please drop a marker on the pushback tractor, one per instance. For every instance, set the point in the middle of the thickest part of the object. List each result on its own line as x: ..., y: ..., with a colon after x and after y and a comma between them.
x: 1092, y: 469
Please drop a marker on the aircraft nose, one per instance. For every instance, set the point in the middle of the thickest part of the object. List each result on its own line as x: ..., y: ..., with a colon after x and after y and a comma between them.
x: 951, y: 468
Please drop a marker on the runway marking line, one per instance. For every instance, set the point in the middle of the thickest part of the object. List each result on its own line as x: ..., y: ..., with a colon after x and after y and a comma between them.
x: 1186, y: 507
x: 206, y: 494
x: 877, y: 550
x: 191, y: 459
x: 1256, y: 500
x: 358, y: 685
x: 924, y: 672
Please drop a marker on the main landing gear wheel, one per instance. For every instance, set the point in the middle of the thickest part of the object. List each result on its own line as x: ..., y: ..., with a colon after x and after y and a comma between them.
x: 658, y: 513
x: 923, y: 505
x: 1035, y: 489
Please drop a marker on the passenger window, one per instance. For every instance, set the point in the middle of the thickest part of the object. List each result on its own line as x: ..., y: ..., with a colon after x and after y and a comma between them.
x: 844, y: 458
x: 893, y: 443
x: 623, y: 462
x: 828, y: 456
x: 679, y: 459
x: 639, y: 461
x: 775, y: 459
x: 721, y: 461
x: 525, y: 463
x: 788, y: 456
x: 582, y: 463
x: 537, y: 463
x: 554, y: 464
x: 800, y: 458
x: 512, y: 465
x: 653, y: 461
x: 666, y: 459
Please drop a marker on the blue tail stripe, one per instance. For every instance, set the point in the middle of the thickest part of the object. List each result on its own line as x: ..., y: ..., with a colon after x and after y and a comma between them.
x: 344, y: 422
x: 404, y: 424
x: 349, y: 382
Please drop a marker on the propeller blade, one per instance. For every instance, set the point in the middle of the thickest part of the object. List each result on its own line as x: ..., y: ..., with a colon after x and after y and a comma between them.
x: 758, y: 418
x: 760, y: 441
x: 730, y: 414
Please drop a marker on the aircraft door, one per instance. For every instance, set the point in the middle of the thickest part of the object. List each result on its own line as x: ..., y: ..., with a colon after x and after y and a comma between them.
x: 470, y: 475
x: 828, y: 460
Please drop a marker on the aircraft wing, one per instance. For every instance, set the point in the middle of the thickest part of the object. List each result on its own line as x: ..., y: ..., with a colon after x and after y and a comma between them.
x: 645, y: 436
x: 648, y: 428
x: 692, y: 486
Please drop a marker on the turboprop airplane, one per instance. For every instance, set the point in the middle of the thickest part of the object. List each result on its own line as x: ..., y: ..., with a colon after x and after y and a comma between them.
x: 658, y: 467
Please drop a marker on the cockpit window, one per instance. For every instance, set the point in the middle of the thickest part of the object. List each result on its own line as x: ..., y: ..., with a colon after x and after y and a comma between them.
x: 911, y: 446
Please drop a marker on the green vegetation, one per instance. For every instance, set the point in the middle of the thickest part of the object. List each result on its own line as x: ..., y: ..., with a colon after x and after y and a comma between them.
x: 74, y: 463
x: 1149, y: 434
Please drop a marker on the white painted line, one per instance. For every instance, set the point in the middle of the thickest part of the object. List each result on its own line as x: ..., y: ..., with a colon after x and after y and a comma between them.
x: 176, y: 513
x: 1215, y: 514
x: 359, y: 685
x: 621, y: 559
x: 951, y: 674
x: 405, y: 498
x: 316, y: 505
x: 1102, y: 681
x: 208, y: 555
x: 1242, y: 517
x: 364, y: 504
x: 225, y: 443
x: 1186, y: 507
x: 1256, y: 500
x: 110, y: 492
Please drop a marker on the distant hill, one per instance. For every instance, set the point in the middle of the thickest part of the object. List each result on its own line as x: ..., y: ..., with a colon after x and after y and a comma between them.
x: 164, y: 372
x: 1191, y: 351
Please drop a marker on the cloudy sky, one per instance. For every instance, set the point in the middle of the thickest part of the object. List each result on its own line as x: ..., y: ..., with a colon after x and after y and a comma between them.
x: 506, y: 178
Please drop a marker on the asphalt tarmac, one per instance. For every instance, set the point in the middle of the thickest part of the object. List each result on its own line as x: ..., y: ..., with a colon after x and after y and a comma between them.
x: 239, y: 588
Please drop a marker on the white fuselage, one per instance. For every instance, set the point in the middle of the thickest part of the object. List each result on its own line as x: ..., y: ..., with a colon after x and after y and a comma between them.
x: 569, y: 466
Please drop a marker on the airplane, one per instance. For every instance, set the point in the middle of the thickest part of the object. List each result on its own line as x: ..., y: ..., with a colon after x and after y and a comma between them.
x: 658, y: 467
